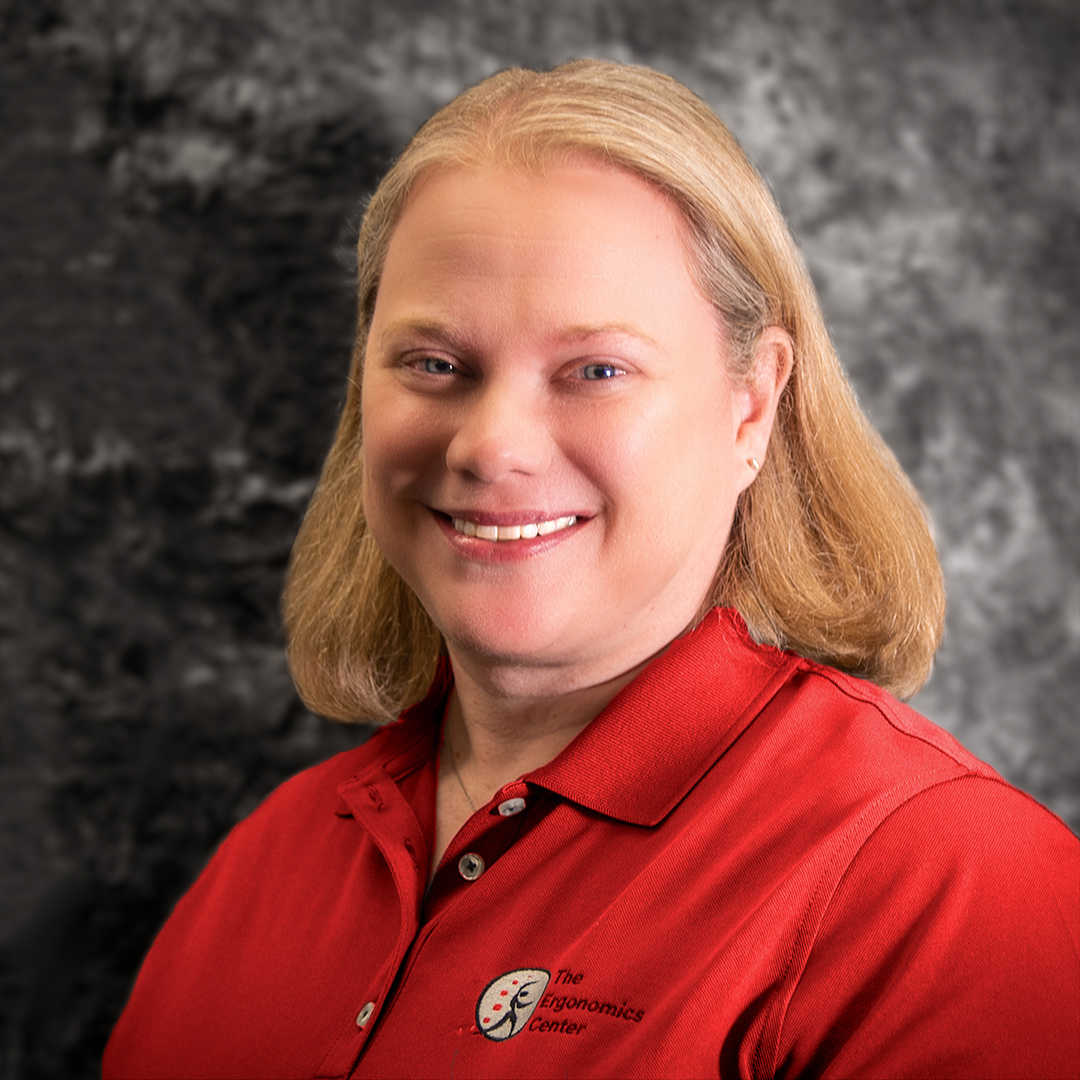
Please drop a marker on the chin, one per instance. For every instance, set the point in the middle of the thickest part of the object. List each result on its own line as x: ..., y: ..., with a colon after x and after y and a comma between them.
x: 508, y: 633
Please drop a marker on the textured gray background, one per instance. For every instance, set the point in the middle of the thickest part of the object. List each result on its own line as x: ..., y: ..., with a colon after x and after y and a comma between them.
x: 179, y: 185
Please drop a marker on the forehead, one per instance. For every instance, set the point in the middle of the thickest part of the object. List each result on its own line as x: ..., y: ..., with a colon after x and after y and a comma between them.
x: 538, y: 205
x: 577, y: 241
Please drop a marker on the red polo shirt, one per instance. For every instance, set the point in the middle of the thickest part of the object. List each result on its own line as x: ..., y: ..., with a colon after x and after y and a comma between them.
x: 747, y: 865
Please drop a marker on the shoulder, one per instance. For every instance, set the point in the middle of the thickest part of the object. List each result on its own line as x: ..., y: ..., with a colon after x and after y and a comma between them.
x: 821, y: 714
x: 949, y: 946
x: 889, y: 741
x: 945, y: 935
x: 894, y: 800
x: 941, y: 791
x: 988, y: 849
x: 842, y: 754
x: 305, y: 806
x: 313, y: 790
x: 887, y: 723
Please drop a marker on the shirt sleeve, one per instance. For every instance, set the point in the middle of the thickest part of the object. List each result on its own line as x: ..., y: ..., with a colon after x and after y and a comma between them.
x: 951, y: 947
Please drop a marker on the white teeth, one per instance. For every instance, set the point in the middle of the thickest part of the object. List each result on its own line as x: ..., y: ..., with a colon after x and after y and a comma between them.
x: 512, y: 532
x: 545, y: 527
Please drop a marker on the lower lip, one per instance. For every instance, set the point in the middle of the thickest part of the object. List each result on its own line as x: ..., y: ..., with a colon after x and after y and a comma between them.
x: 503, y: 551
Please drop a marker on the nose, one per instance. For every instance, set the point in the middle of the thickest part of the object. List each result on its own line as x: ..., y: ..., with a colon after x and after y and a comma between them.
x: 501, y: 431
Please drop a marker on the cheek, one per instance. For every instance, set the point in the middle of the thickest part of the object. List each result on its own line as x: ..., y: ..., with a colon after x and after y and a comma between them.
x: 399, y: 446
x: 667, y: 461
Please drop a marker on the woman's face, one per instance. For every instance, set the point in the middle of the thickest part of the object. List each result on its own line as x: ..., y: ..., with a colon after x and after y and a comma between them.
x: 542, y: 369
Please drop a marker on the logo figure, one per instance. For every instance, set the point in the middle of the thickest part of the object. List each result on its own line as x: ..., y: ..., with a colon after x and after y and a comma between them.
x: 507, y: 1002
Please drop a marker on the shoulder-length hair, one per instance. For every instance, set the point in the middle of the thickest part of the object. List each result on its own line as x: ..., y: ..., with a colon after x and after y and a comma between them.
x: 830, y: 552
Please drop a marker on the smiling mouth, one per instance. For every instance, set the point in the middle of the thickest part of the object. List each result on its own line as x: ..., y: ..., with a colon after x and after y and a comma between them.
x: 502, y: 533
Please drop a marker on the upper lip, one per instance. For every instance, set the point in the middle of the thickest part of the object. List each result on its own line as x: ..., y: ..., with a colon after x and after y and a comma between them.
x: 510, y: 517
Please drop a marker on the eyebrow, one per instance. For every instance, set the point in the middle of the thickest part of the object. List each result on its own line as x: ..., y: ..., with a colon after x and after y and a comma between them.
x: 574, y: 334
x: 431, y: 329
x: 437, y: 331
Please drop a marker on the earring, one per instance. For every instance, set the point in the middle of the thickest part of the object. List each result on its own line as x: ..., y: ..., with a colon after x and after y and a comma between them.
x: 753, y: 463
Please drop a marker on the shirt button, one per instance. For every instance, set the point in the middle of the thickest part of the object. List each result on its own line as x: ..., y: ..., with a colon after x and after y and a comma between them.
x: 470, y: 866
x: 511, y: 807
x: 364, y: 1015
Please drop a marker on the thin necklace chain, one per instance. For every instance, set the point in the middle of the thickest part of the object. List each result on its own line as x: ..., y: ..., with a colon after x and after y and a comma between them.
x: 457, y: 773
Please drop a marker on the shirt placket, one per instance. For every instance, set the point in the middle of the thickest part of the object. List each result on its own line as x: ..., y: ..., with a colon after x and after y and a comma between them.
x: 472, y: 854
x: 376, y: 803
x: 477, y: 847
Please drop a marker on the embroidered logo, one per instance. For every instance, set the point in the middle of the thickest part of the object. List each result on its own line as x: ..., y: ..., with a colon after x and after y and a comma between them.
x: 507, y: 1002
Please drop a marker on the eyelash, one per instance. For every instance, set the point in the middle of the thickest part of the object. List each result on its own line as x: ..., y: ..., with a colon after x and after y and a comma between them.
x: 614, y: 372
x: 426, y: 363
x: 423, y: 364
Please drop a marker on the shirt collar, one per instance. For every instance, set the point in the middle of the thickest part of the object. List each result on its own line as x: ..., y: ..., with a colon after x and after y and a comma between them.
x: 655, y: 739
x: 663, y: 731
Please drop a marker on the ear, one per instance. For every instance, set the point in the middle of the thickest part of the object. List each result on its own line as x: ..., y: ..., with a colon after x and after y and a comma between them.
x: 759, y: 397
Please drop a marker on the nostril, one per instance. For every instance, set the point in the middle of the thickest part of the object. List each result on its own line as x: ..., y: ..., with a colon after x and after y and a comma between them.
x: 490, y: 456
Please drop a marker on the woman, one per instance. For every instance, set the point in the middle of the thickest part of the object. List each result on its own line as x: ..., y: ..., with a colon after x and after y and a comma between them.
x: 603, y: 518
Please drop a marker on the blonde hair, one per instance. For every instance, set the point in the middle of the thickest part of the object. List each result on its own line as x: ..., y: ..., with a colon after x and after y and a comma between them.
x: 830, y: 553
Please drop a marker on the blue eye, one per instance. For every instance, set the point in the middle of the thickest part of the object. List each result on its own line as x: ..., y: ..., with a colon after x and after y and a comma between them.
x: 435, y: 365
x: 594, y: 372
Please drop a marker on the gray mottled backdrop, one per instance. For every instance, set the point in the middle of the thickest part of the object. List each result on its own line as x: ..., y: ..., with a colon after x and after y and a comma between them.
x: 178, y: 184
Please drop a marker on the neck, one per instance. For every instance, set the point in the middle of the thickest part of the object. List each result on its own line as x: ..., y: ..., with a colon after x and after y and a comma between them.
x: 492, y: 736
x: 498, y: 738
